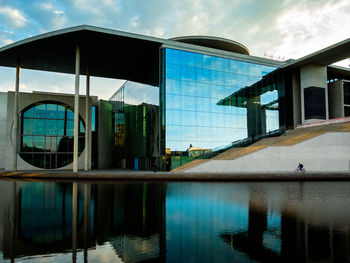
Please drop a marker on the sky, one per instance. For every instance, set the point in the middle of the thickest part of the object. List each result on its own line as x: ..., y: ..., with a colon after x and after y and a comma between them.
x: 283, y: 29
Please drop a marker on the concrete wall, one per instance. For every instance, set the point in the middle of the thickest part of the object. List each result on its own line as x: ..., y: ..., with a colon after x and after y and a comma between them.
x: 3, y: 116
x: 296, y: 99
x: 329, y: 152
x: 336, y: 99
x: 25, y: 100
x: 313, y: 76
x: 104, y: 134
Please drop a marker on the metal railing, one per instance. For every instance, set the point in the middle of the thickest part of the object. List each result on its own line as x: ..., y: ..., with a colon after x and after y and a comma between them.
x: 182, y: 160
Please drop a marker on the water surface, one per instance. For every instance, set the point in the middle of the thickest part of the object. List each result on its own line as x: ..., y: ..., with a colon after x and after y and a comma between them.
x: 174, y: 222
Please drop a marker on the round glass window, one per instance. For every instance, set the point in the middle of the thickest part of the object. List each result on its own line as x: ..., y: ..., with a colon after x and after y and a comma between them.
x: 47, y: 130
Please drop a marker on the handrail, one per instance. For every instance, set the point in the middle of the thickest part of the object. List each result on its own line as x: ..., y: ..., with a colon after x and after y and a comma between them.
x: 240, y: 143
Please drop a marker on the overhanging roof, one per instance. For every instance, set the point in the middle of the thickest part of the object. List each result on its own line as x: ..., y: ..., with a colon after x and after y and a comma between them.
x: 214, y: 42
x: 324, y: 57
x: 336, y: 72
x: 107, y: 53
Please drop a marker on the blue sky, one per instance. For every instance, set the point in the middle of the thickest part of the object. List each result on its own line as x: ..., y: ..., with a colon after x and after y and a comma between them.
x: 284, y: 28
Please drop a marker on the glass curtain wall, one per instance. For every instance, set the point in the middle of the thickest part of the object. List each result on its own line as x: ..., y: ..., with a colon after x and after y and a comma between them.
x: 211, y: 102
x: 135, y: 122
x: 47, y: 130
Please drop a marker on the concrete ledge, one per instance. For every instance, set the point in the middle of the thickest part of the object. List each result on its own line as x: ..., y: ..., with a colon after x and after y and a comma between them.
x: 170, y: 176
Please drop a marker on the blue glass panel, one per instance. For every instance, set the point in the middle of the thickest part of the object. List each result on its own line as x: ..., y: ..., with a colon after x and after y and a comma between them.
x: 29, y: 113
x: 93, y: 118
x: 28, y: 126
x: 39, y: 127
x: 70, y: 114
x: 51, y: 127
x: 60, y: 127
x: 40, y: 111
x: 61, y: 111
x: 70, y: 128
x: 51, y: 111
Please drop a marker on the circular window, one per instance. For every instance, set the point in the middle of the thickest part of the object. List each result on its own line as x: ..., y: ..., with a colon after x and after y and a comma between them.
x: 47, y: 130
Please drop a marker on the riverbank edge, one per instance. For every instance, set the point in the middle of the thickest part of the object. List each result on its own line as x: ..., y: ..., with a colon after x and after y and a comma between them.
x: 98, y: 175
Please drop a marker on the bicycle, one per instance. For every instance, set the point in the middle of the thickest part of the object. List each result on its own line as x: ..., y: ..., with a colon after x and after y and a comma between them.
x: 302, y: 170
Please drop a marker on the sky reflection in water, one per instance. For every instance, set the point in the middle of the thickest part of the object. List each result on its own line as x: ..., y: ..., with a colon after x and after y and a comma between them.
x: 174, y: 222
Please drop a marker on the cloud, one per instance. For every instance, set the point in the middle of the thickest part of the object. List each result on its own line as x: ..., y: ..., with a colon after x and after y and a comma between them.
x: 59, y: 20
x: 45, y: 6
x: 13, y: 17
x: 308, y: 27
x: 286, y: 28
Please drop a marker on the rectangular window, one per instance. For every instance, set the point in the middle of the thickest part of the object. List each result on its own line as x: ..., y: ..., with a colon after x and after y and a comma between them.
x: 314, y: 103
x: 346, y: 92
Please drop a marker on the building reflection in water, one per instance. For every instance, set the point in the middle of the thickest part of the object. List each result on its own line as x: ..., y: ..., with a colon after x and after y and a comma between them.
x: 175, y: 222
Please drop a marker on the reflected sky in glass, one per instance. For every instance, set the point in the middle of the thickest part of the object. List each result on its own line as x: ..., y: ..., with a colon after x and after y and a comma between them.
x: 195, y: 83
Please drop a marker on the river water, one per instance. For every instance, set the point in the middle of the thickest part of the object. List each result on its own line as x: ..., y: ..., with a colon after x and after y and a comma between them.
x: 174, y: 222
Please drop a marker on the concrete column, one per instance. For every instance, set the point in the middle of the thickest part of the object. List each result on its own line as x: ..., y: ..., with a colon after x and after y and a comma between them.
x: 256, y: 117
x: 76, y: 110
x: 87, y: 122
x: 87, y: 215
x: 74, y: 221
x: 15, y: 120
x: 12, y: 219
x: 336, y: 99
x: 296, y: 99
x: 313, y: 77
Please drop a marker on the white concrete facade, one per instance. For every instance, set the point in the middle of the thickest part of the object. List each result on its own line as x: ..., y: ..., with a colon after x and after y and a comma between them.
x: 25, y: 100
x: 3, y: 117
x: 313, y: 76
x: 336, y: 99
x: 329, y: 152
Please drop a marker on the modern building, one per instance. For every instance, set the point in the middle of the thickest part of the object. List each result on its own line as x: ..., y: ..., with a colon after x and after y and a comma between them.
x: 202, y: 91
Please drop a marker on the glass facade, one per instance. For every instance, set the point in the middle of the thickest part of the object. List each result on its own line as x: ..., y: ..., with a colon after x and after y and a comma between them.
x: 47, y: 130
x: 211, y: 101
x: 135, y: 122
x: 202, y: 103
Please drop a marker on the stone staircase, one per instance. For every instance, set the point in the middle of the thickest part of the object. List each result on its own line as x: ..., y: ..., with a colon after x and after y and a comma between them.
x: 290, y: 138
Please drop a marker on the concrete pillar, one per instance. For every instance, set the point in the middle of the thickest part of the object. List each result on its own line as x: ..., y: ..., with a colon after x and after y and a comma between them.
x: 296, y: 99
x: 76, y: 111
x: 87, y: 214
x: 336, y: 99
x: 12, y: 218
x: 87, y: 122
x: 313, y: 85
x: 256, y: 117
x: 15, y: 120
x: 74, y: 221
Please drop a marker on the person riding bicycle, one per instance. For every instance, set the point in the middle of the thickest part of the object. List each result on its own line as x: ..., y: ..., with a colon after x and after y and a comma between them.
x: 300, y: 167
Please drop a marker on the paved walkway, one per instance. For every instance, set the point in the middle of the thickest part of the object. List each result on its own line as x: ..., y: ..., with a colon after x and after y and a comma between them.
x: 129, y: 175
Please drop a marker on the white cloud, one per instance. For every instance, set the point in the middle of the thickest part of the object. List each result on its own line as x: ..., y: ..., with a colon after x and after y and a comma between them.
x: 13, y: 16
x: 306, y: 28
x: 135, y: 21
x: 57, y: 12
x: 46, y: 6
x: 7, y: 41
x: 59, y: 20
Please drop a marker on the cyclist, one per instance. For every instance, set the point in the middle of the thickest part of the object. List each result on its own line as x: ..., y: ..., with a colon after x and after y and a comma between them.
x: 300, y: 167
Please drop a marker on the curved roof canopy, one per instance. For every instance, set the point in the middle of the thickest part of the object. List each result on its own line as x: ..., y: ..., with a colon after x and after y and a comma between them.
x: 107, y: 53
x: 214, y: 42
